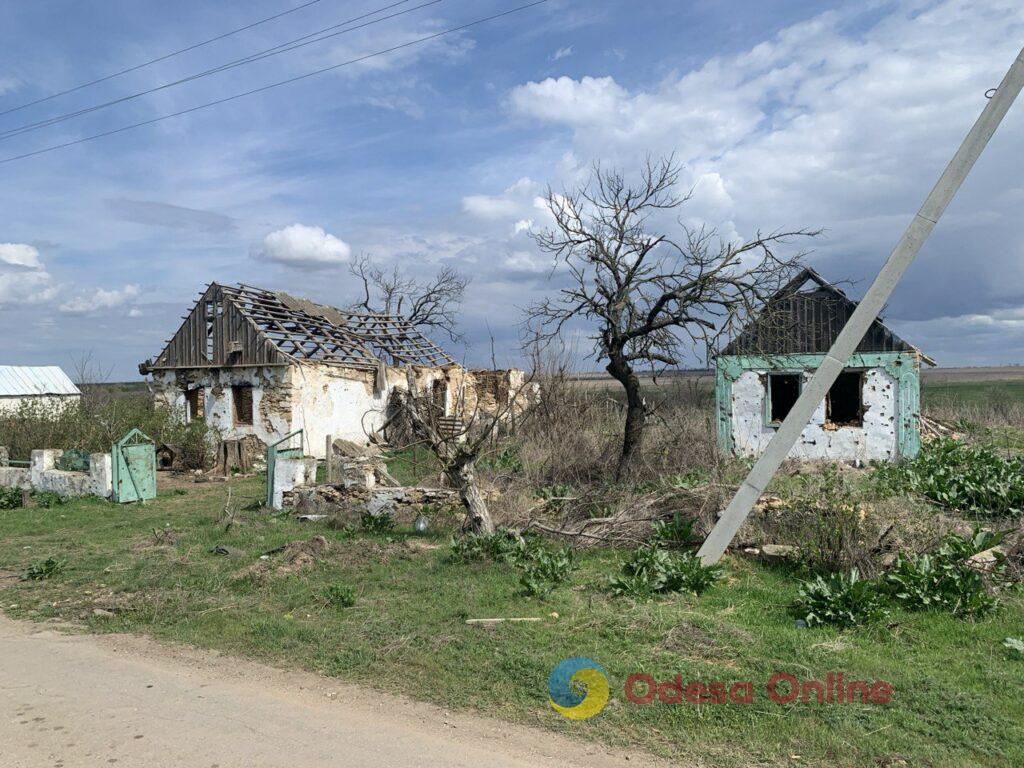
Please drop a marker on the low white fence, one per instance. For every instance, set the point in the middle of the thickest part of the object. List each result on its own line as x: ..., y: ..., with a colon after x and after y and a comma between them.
x: 42, y: 475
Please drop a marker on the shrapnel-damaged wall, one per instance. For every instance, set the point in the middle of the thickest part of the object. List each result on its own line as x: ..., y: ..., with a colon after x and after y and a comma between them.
x: 890, y: 399
x: 271, y: 397
x: 324, y: 400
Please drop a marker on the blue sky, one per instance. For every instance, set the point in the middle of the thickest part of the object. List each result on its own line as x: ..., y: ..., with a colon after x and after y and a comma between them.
x: 785, y: 114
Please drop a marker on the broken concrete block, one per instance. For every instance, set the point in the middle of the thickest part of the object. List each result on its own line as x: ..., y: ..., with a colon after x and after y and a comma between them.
x: 776, y: 553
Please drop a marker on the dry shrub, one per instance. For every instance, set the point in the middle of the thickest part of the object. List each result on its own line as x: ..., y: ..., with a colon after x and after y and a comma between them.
x: 837, y: 525
x: 574, y: 434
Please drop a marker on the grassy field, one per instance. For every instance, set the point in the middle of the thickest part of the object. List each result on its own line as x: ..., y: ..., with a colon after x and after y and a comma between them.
x: 149, y: 569
x: 972, y: 392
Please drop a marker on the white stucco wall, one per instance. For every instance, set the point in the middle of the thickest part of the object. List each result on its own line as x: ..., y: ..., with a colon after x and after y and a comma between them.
x: 327, y: 400
x: 45, y: 402
x: 874, y: 441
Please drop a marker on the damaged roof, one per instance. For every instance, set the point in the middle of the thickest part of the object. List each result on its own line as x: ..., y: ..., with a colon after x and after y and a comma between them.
x: 35, y: 380
x: 801, y: 320
x: 244, y: 325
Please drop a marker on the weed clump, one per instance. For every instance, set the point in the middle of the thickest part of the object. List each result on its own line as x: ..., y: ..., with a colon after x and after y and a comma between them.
x: 545, y: 569
x: 339, y: 596
x: 947, y: 580
x: 43, y: 569
x: 959, y: 476
x: 47, y: 499
x: 380, y: 524
x: 541, y: 568
x: 944, y: 580
x: 843, y: 599
x: 651, y: 570
x: 10, y: 498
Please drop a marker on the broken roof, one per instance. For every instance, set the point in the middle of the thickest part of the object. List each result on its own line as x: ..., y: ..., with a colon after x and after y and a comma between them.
x: 798, y: 321
x: 245, y: 325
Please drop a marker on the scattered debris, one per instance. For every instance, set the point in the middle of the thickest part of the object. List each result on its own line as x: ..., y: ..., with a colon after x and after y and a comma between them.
x: 510, y: 620
x: 226, y: 551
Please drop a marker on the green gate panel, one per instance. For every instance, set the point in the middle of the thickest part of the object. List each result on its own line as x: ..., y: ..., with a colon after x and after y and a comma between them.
x: 134, y: 468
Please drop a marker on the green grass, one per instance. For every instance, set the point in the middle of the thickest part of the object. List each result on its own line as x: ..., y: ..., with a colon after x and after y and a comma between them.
x: 972, y: 392
x: 957, y: 689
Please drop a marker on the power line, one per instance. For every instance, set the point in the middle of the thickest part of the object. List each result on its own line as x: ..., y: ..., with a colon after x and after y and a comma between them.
x: 159, y: 58
x: 285, y: 47
x: 278, y: 84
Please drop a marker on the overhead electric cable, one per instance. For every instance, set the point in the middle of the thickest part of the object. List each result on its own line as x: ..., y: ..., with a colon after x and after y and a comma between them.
x: 285, y: 47
x: 160, y: 58
x: 278, y: 84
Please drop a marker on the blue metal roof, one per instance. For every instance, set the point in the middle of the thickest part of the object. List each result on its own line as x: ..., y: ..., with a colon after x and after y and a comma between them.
x: 28, y: 380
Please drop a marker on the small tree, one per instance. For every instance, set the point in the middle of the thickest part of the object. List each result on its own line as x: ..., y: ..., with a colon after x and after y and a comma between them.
x: 652, y: 298
x: 430, y: 305
x: 459, y: 439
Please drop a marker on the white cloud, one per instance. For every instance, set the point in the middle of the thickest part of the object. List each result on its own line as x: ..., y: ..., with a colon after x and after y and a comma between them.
x: 99, y: 299
x: 23, y: 278
x: 840, y: 122
x: 304, y: 247
x: 25, y: 287
x: 20, y: 255
x: 8, y: 84
x: 516, y: 201
x: 562, y: 53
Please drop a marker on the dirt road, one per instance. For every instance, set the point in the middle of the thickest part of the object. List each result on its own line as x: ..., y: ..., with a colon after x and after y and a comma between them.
x: 81, y: 700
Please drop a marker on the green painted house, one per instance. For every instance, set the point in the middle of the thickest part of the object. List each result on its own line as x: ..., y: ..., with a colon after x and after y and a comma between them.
x: 872, y: 411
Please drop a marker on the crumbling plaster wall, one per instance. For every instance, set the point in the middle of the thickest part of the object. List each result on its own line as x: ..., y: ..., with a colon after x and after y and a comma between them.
x: 271, y: 395
x: 876, y: 440
x: 43, y: 475
x: 322, y: 399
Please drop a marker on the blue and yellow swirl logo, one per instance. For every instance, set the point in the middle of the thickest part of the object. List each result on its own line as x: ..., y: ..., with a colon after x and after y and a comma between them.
x: 582, y: 671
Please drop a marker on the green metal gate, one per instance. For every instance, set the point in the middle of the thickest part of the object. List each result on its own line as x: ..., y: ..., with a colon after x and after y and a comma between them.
x: 134, y: 468
x: 272, y: 453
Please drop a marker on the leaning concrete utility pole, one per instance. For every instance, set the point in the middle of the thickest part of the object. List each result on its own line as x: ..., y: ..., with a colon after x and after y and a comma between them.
x: 903, y: 254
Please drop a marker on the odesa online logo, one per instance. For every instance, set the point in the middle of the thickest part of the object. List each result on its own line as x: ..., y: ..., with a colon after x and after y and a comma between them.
x: 567, y: 702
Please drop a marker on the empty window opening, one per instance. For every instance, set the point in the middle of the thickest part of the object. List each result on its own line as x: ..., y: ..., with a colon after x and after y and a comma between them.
x: 208, y: 318
x: 241, y: 395
x: 195, y: 400
x: 844, y: 404
x: 439, y: 397
x: 783, y: 391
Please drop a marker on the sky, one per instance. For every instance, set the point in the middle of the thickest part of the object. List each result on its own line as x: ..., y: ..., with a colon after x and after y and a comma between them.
x: 784, y: 115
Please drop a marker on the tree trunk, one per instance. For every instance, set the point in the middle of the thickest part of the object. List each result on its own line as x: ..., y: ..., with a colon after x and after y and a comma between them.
x: 636, y: 414
x: 463, y: 478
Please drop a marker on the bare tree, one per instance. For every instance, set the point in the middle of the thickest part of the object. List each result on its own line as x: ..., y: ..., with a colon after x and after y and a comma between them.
x: 88, y: 370
x: 430, y: 304
x: 652, y: 298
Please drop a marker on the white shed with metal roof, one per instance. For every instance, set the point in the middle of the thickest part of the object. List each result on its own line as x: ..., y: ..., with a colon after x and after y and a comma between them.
x: 43, y: 386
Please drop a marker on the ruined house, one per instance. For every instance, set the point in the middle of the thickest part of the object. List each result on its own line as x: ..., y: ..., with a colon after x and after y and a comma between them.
x: 871, y: 412
x: 36, y: 386
x: 257, y: 365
